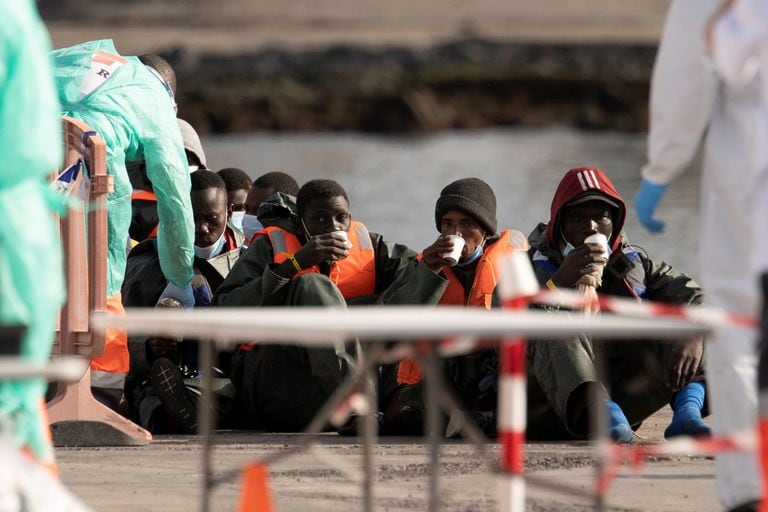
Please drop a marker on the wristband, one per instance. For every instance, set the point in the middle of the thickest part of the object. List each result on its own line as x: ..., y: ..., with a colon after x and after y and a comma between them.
x: 551, y: 285
x: 290, y: 257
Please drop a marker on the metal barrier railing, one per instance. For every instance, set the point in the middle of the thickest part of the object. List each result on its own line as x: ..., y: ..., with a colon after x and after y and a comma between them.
x: 77, y: 418
x: 372, y: 326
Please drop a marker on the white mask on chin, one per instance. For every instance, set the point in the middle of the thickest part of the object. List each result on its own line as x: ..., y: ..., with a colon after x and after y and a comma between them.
x: 237, y: 219
x: 212, y: 250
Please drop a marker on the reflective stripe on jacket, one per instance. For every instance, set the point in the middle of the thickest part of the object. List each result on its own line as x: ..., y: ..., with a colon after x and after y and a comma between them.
x: 355, y: 275
x: 487, y: 276
x: 145, y: 195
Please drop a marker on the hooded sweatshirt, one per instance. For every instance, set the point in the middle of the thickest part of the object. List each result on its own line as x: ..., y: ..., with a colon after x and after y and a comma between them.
x: 580, y: 183
x: 629, y: 272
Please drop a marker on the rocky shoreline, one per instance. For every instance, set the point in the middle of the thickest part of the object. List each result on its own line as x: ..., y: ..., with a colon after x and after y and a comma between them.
x: 464, y: 84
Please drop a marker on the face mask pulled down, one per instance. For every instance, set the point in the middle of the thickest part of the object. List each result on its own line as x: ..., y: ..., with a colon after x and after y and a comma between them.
x: 212, y: 250
x: 251, y: 225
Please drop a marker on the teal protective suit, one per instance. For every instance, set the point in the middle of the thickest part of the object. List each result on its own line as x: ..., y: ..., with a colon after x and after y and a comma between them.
x: 31, y: 284
x: 133, y: 112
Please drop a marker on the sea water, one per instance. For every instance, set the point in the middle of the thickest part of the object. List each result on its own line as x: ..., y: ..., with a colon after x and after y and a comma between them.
x: 394, y: 181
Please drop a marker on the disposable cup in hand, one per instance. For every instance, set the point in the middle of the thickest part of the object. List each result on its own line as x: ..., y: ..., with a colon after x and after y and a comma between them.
x: 343, y: 234
x: 453, y: 256
x: 598, y: 238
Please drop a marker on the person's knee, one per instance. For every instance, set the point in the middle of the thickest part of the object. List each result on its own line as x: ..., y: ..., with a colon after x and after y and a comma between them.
x: 316, y: 290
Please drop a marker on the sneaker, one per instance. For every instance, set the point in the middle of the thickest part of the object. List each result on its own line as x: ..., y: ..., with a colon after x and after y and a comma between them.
x: 169, y: 384
x: 618, y: 428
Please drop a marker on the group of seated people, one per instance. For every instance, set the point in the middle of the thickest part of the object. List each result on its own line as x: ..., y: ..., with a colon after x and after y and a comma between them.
x: 273, y: 243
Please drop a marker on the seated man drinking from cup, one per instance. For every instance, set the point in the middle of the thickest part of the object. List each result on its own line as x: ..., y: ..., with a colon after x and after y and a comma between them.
x: 316, y: 256
x: 640, y: 377
x: 466, y: 256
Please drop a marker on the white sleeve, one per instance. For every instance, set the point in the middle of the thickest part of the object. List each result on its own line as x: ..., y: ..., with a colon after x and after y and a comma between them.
x: 759, y: 229
x: 739, y: 39
x: 683, y: 91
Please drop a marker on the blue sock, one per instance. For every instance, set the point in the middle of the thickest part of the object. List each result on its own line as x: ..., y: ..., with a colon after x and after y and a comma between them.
x: 686, y: 417
x: 618, y: 426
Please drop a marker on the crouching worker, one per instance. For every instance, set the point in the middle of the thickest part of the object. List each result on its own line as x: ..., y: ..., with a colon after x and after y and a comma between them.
x: 164, y: 372
x: 465, y: 214
x: 318, y: 256
x: 640, y: 376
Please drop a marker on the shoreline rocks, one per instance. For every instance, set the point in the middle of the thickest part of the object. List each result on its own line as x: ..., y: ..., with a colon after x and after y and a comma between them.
x: 465, y: 84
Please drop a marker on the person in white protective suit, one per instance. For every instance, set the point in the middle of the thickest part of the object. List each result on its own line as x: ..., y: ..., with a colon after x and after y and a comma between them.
x: 689, y: 102
x: 738, y: 41
x: 131, y: 105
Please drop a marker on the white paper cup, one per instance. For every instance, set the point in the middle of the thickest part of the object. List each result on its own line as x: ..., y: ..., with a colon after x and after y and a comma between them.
x: 455, y: 254
x: 343, y: 234
x: 598, y: 238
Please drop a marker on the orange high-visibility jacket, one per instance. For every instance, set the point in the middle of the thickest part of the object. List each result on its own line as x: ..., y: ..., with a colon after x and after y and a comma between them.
x: 481, y: 295
x: 355, y: 275
x: 146, y: 195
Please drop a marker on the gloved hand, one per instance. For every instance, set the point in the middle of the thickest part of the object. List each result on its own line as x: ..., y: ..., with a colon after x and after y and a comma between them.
x: 181, y: 293
x: 201, y: 290
x: 646, y: 200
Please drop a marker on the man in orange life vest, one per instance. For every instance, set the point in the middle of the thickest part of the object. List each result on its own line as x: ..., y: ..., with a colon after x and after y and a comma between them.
x: 316, y: 257
x: 466, y: 207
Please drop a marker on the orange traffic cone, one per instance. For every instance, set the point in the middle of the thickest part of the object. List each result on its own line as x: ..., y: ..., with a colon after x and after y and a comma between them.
x: 255, y: 496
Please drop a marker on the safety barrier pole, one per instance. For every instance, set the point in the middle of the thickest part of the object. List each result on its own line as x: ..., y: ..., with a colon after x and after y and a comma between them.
x: 370, y: 432
x: 762, y: 429
x: 76, y: 417
x: 518, y: 284
x: 432, y: 423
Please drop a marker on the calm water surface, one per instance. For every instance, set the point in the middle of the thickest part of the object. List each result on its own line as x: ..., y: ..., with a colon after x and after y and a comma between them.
x: 393, y: 182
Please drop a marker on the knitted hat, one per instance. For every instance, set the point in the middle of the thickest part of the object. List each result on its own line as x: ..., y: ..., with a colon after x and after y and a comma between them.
x: 472, y: 196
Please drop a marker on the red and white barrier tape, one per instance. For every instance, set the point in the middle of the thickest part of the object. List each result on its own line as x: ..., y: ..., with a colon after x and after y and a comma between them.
x: 630, y: 307
x: 618, y: 454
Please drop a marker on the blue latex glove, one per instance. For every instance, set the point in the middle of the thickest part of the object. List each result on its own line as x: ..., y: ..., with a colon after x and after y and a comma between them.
x: 183, y: 294
x: 202, y: 291
x: 646, y: 201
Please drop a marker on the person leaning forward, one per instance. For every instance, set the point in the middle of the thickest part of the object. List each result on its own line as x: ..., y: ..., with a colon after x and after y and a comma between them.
x: 131, y: 105
x: 317, y: 256
x: 641, y: 375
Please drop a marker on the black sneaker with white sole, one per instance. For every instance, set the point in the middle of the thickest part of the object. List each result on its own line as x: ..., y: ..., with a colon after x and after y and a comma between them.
x: 169, y: 384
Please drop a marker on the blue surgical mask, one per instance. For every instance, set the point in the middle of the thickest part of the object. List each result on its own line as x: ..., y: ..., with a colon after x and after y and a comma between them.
x: 237, y: 219
x: 212, y: 250
x: 251, y: 226
x: 473, y: 258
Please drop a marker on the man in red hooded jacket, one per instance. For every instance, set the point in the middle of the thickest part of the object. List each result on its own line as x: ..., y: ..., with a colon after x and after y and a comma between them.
x: 639, y: 377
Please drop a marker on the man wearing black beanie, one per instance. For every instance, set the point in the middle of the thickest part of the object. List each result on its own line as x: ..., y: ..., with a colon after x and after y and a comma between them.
x: 472, y: 196
x: 465, y: 214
